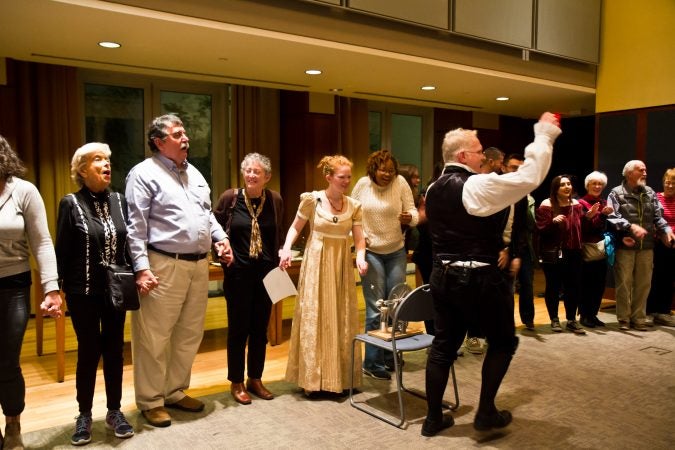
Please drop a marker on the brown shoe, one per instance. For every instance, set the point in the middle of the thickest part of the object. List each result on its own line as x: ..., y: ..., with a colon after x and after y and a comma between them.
x: 239, y: 394
x: 157, y: 417
x: 188, y: 404
x: 255, y: 386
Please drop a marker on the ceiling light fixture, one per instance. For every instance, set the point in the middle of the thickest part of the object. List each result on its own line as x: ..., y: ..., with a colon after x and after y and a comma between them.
x: 428, y: 88
x: 109, y: 44
x: 503, y: 99
x: 313, y: 72
x: 335, y: 89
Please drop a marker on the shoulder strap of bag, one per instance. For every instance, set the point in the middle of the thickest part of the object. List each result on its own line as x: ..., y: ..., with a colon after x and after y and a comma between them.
x: 230, y: 210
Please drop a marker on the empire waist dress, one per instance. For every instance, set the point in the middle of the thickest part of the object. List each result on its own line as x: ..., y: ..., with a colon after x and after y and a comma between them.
x: 326, y: 317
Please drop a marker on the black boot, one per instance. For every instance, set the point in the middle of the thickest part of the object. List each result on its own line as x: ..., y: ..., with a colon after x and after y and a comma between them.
x: 436, y: 379
x: 495, y: 365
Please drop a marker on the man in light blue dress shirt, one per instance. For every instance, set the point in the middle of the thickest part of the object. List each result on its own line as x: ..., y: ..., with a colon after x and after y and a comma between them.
x: 170, y: 232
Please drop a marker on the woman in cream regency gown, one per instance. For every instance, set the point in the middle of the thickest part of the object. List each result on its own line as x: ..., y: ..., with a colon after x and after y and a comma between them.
x: 326, y: 317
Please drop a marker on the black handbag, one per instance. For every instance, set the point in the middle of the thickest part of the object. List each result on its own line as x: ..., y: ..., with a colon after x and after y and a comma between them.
x: 121, y: 287
x: 550, y: 256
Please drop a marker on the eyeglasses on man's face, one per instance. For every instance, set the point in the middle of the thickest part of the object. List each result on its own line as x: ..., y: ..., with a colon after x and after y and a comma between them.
x: 177, y: 134
x: 387, y: 171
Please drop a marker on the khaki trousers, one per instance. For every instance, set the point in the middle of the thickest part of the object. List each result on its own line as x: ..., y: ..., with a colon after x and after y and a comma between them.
x: 167, y: 330
x: 633, y: 277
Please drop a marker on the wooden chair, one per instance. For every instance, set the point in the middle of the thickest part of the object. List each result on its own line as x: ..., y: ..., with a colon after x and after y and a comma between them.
x: 60, y: 323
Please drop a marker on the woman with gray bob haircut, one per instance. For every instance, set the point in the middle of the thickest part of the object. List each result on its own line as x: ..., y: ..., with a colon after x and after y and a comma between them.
x: 593, y: 225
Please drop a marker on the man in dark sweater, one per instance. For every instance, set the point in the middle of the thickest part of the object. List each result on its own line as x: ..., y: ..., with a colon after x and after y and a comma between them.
x: 467, y: 212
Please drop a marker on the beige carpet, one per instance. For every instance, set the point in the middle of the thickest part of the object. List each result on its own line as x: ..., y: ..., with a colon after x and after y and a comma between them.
x: 608, y: 389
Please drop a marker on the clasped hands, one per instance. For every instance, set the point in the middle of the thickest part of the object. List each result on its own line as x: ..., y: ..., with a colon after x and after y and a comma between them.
x: 285, y: 258
x: 147, y: 281
x: 224, y: 251
x: 51, y: 305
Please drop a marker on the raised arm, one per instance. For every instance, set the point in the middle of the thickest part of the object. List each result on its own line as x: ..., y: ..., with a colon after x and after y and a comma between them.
x: 480, y: 191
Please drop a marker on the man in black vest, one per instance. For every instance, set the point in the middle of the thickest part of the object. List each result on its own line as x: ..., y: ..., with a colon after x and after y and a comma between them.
x: 467, y: 212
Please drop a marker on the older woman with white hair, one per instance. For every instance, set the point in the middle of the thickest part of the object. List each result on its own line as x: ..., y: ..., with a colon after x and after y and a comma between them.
x: 90, y: 234
x: 253, y: 219
x: 593, y: 226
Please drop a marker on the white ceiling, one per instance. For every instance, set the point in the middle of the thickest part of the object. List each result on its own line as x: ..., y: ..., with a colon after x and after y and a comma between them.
x: 162, y: 44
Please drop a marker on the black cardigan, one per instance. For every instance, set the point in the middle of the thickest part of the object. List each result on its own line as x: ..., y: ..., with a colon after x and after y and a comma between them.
x: 79, y: 236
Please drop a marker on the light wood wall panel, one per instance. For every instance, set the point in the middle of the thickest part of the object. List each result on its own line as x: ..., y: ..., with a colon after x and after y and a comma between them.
x: 507, y: 21
x: 426, y: 12
x: 569, y: 28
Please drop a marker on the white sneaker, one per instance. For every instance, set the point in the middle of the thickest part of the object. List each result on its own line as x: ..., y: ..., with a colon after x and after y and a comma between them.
x: 649, y: 320
x: 473, y: 345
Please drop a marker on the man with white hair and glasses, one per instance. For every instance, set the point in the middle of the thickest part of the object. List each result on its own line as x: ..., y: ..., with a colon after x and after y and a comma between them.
x: 467, y: 212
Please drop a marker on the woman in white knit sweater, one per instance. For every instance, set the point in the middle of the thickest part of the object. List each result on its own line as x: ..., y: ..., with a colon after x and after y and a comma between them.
x: 387, y: 203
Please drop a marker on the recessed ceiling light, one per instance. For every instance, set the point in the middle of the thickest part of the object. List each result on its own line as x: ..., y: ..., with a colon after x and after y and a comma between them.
x: 428, y: 88
x: 313, y: 72
x: 335, y: 89
x: 503, y: 99
x: 109, y: 44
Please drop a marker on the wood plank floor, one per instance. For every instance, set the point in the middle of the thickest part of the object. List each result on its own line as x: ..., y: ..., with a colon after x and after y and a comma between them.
x: 49, y: 403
